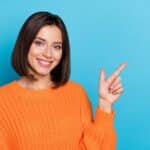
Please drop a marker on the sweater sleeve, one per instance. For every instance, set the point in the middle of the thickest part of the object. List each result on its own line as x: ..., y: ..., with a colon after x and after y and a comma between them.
x: 3, y: 143
x: 98, y: 133
x: 3, y: 132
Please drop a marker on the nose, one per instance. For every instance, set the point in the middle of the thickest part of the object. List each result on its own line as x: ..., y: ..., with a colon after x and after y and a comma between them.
x: 48, y: 53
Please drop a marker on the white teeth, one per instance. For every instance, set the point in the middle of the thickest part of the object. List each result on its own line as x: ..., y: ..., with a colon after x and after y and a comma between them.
x: 44, y: 62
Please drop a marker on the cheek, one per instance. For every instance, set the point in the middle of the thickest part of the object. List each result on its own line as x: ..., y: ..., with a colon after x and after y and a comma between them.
x: 33, y: 53
x: 58, y: 55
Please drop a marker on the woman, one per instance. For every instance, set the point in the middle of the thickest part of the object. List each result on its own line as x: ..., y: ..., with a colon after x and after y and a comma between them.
x: 44, y: 110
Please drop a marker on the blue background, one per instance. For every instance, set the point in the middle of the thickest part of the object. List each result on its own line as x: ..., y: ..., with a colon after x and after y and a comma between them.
x: 103, y: 34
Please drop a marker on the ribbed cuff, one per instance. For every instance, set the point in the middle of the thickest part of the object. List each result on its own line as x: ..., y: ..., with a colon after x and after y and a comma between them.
x: 104, y: 118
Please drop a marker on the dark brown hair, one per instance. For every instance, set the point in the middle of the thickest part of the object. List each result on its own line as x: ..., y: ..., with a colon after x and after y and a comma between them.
x: 60, y: 74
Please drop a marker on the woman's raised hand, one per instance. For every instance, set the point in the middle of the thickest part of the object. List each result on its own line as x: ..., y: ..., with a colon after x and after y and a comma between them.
x: 110, y: 89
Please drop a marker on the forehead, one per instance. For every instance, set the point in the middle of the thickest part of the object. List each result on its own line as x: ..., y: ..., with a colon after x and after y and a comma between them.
x: 50, y: 33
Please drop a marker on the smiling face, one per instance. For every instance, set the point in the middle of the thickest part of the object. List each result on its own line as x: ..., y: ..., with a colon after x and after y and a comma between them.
x: 45, y: 52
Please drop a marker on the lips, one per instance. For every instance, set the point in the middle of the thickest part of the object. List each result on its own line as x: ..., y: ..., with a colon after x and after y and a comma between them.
x: 44, y: 63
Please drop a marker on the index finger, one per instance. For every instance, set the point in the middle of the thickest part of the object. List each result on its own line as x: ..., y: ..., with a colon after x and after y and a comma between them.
x: 116, y: 72
x: 119, y: 69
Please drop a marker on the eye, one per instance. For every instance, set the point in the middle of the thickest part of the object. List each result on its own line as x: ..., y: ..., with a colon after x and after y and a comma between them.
x: 58, y: 47
x: 38, y: 43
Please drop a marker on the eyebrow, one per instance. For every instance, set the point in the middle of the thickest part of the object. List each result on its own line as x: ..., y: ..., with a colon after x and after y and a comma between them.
x: 45, y: 40
x: 40, y: 39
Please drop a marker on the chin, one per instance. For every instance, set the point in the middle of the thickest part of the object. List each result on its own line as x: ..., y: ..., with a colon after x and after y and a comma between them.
x: 43, y: 73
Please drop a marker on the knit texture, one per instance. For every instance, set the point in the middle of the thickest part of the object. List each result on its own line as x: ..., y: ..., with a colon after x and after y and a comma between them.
x: 52, y: 119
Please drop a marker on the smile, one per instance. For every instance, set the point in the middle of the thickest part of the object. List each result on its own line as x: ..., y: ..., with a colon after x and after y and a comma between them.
x: 44, y: 63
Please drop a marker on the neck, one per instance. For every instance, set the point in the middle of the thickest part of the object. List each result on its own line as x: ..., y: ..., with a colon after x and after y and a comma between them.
x: 41, y: 83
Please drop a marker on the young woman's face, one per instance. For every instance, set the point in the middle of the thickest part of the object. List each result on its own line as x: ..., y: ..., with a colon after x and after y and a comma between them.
x: 46, y: 50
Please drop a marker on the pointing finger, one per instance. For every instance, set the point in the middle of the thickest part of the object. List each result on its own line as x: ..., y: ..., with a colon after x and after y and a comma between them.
x: 116, y: 73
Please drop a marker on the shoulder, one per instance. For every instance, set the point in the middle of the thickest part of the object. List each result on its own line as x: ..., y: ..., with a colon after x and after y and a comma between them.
x: 7, y: 89
x: 74, y: 87
x: 73, y: 84
x: 6, y: 94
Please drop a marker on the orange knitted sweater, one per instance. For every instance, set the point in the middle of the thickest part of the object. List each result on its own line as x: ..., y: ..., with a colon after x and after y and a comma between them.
x: 52, y: 119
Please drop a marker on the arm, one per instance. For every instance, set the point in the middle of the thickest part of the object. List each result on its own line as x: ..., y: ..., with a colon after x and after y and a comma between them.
x: 98, y: 133
x: 3, y: 143
x: 3, y: 128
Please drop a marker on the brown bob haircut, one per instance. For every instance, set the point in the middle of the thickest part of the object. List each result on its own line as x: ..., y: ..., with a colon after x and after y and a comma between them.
x: 60, y: 74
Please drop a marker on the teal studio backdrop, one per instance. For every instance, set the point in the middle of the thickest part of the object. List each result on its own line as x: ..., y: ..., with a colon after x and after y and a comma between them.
x: 102, y: 34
